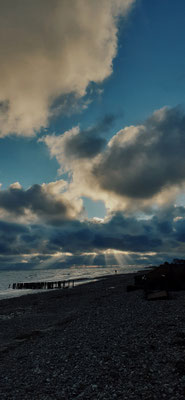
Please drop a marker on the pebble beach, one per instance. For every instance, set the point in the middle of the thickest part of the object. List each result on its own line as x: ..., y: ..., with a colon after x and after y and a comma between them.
x: 95, y: 341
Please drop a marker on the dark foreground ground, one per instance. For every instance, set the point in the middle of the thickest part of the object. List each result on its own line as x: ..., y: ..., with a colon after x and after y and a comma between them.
x: 92, y: 342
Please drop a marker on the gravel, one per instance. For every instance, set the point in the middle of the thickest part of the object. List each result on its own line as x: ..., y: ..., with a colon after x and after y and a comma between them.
x: 95, y: 341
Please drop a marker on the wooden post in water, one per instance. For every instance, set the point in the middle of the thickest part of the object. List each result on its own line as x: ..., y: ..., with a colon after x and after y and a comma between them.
x: 43, y: 285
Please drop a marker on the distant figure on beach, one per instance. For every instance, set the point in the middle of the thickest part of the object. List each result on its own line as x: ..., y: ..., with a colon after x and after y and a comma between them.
x: 116, y: 271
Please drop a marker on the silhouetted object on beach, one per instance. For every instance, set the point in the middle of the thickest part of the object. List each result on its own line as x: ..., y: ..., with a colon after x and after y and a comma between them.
x: 165, y: 277
x: 160, y: 280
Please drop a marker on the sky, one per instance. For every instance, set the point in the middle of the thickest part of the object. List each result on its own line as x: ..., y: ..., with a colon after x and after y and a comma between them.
x: 92, y: 132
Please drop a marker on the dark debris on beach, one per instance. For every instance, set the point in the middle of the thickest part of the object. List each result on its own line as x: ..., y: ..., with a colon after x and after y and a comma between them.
x: 96, y: 341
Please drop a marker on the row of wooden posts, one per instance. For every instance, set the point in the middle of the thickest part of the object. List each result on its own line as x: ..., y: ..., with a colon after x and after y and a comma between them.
x: 44, y: 285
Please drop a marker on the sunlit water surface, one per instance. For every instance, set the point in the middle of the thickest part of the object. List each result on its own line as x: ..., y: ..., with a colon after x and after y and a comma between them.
x: 82, y: 274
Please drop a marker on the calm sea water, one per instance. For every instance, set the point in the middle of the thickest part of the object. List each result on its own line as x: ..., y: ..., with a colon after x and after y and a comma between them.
x: 83, y: 274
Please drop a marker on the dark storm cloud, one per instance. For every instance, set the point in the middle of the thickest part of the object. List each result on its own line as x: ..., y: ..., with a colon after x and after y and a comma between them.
x: 88, y: 143
x: 141, y: 161
x: 11, y: 229
x: 119, y: 233
x: 9, y: 237
x: 36, y: 199
x: 162, y: 234
x: 84, y: 145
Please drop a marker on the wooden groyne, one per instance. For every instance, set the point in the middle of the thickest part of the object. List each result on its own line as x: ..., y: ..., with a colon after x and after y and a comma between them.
x: 43, y: 285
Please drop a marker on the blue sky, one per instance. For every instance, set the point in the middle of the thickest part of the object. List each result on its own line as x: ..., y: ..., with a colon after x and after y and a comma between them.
x: 126, y: 71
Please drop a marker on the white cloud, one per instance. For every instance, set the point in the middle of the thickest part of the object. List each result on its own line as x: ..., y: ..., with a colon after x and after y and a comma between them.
x: 141, y: 166
x: 49, y: 203
x: 15, y: 185
x: 52, y: 48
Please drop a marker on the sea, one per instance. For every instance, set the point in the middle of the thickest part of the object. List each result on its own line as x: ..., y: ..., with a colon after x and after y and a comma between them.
x: 80, y: 275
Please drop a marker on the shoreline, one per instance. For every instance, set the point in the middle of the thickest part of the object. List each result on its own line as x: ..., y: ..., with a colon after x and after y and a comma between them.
x: 96, y: 341
x: 77, y: 282
x: 42, y: 297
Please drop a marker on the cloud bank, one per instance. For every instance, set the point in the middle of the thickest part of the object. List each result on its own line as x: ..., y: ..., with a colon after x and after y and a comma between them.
x: 50, y: 49
x: 116, y: 240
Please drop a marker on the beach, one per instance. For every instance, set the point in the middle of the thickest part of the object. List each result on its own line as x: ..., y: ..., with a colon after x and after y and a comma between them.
x: 95, y: 341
